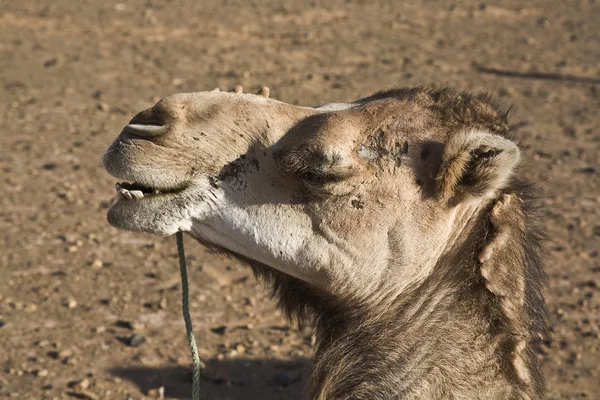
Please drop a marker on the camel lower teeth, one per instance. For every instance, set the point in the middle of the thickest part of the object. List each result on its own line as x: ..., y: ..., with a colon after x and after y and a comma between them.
x: 138, y: 194
x: 128, y: 194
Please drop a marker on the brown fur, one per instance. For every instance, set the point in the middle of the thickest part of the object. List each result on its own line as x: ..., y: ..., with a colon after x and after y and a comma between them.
x: 465, y: 330
x: 476, y: 317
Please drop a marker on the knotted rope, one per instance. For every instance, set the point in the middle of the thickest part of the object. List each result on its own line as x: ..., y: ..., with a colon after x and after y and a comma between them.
x: 185, y: 306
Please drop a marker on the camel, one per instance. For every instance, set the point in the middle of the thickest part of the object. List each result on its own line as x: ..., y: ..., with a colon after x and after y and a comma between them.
x: 396, y: 224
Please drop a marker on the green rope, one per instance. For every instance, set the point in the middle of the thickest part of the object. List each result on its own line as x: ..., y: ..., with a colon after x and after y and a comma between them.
x: 188, y: 320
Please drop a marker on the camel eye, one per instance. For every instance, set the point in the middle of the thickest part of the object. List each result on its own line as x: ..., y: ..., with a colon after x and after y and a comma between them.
x: 317, y: 177
x: 311, y: 177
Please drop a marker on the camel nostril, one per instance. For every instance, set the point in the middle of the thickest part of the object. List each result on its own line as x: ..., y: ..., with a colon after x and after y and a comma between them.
x: 147, y: 123
x: 145, y: 130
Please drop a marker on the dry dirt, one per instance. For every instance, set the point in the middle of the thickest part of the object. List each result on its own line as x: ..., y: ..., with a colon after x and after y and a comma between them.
x: 73, y: 290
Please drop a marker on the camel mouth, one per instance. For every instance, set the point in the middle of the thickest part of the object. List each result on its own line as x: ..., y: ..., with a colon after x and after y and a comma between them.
x: 137, y: 191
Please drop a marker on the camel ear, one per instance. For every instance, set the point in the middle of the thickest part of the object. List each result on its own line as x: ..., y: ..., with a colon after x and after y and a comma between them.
x: 475, y: 164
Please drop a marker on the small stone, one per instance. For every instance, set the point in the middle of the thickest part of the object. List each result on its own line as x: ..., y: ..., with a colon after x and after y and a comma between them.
x: 136, y: 340
x: 30, y: 308
x: 99, y: 329
x: 543, y: 22
x: 97, y: 264
x: 41, y: 373
x: 240, y: 348
x: 70, y: 303
x: 64, y: 354
x: 102, y: 106
x: 162, y: 304
x: 80, y: 385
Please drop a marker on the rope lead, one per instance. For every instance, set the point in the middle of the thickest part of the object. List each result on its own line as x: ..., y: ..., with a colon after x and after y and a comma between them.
x: 185, y: 306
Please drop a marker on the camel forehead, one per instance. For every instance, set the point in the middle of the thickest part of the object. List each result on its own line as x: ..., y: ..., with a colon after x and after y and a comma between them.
x: 184, y: 104
x: 380, y: 123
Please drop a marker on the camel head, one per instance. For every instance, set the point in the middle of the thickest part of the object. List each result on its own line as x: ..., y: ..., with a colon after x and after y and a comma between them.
x: 360, y: 198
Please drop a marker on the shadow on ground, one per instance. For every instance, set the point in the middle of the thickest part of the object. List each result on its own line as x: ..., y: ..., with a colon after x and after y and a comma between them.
x: 240, y: 378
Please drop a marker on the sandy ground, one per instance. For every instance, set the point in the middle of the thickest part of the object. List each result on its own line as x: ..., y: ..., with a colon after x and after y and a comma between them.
x: 73, y: 290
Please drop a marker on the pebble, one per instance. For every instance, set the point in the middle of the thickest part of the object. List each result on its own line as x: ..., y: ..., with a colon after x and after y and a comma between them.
x: 240, y: 348
x: 41, y: 373
x: 274, y: 348
x: 80, y: 385
x: 70, y: 303
x: 97, y: 264
x: 66, y: 353
x: 136, y: 340
x: 30, y: 308
x: 162, y: 303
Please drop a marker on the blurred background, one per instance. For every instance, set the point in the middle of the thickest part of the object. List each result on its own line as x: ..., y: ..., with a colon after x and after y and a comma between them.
x: 89, y: 312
